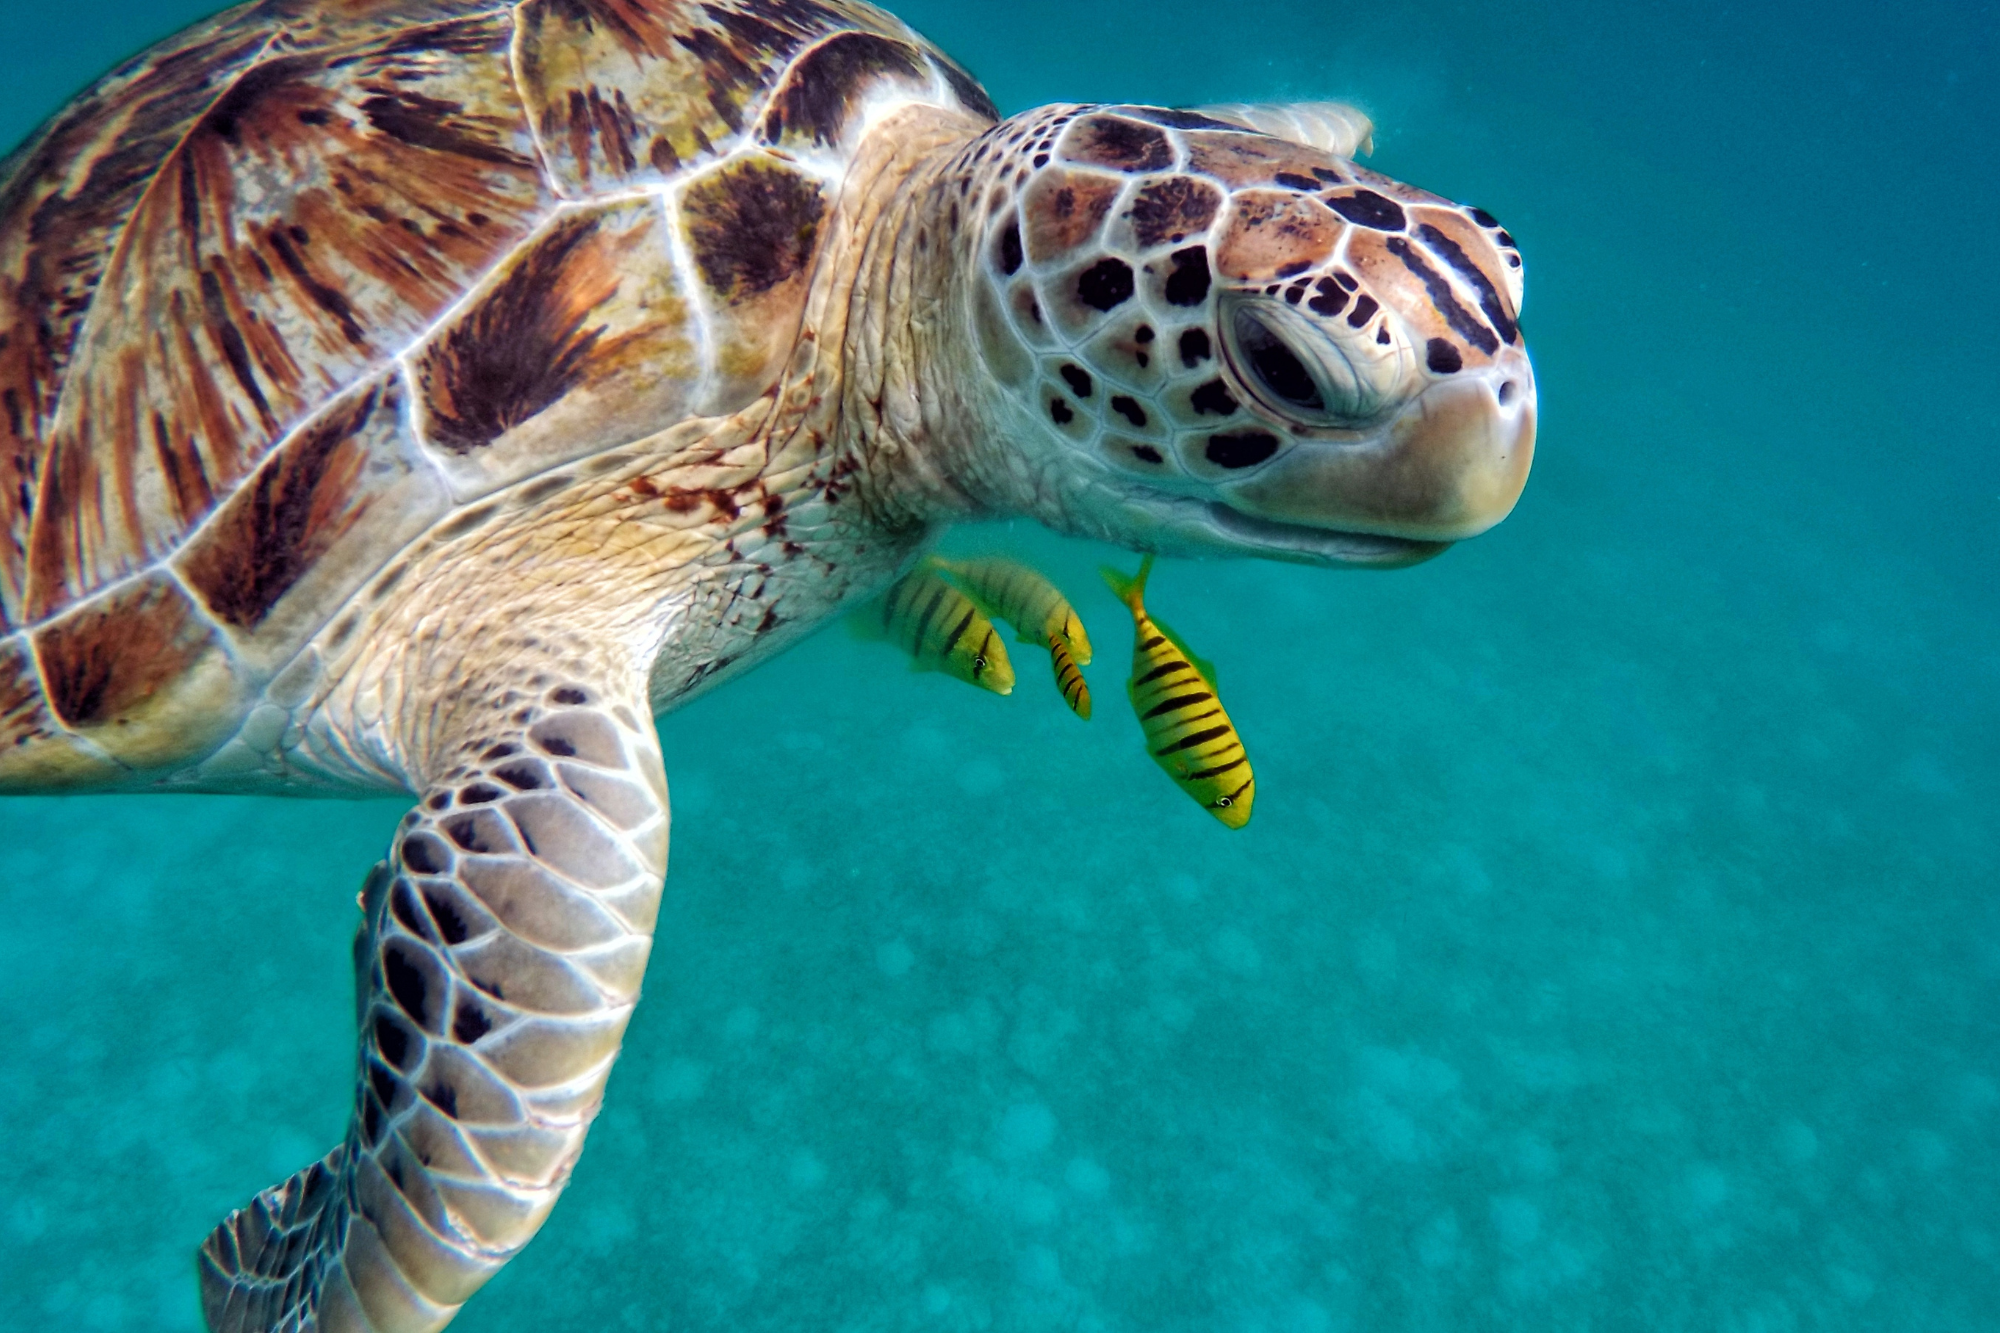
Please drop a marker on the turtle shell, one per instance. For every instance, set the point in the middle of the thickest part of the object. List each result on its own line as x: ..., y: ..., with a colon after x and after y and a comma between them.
x: 278, y: 294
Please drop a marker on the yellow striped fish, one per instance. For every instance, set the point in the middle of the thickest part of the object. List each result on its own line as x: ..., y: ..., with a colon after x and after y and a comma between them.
x: 1173, y: 692
x: 1038, y: 612
x: 941, y: 628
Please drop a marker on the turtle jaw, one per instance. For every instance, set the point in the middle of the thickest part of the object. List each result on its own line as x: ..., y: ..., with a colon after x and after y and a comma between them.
x: 1448, y: 466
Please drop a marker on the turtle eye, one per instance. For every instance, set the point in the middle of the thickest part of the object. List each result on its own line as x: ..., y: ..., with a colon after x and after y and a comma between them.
x: 1299, y: 368
x: 1277, y: 368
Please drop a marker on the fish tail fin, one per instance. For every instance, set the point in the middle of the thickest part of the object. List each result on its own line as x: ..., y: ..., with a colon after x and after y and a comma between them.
x: 1130, y: 591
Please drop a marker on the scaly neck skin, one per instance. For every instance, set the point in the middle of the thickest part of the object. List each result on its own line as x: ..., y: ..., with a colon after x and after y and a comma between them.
x: 922, y: 423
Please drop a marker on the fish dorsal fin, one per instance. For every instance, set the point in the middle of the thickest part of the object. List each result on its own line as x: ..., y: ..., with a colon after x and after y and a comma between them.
x: 1332, y: 127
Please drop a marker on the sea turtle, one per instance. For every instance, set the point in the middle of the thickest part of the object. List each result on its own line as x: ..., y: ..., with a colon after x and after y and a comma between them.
x: 419, y: 395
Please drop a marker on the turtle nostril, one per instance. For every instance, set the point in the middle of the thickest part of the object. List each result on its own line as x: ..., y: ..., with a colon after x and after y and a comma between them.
x: 1507, y: 392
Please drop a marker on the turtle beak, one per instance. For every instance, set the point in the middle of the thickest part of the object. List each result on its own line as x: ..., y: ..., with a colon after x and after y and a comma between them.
x: 1450, y: 465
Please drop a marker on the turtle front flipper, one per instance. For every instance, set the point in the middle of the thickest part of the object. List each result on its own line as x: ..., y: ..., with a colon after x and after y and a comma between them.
x: 498, y: 961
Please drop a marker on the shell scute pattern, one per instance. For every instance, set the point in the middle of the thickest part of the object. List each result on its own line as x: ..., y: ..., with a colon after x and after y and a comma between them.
x: 65, y: 197
x: 752, y: 227
x: 628, y: 93
x: 314, y: 521
x: 579, y: 342
x: 281, y: 292
x: 141, y: 673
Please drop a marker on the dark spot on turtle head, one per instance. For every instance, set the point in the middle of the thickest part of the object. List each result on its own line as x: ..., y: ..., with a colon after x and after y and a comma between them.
x: 1078, y: 380
x: 1182, y: 120
x: 1105, y: 285
x: 1146, y: 453
x: 1295, y: 293
x: 1382, y: 335
x: 1241, y: 449
x: 1143, y: 334
x: 1214, y: 397
x: 1505, y: 240
x: 569, y: 694
x: 1348, y: 280
x: 1124, y: 145
x: 500, y: 751
x: 1453, y: 254
x: 1008, y: 252
x: 1129, y: 409
x: 1059, y: 412
x: 1366, y: 208
x: 1291, y: 180
x: 1364, y: 310
x: 1041, y: 160
x: 1442, y: 356
x: 1173, y: 209
x: 1188, y: 284
x: 1483, y: 218
x: 1195, y: 347
x: 383, y: 1082
x: 1329, y: 175
x: 479, y: 793
x: 1328, y: 299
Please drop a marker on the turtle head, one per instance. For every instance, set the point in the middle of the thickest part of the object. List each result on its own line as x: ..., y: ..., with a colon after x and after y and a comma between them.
x: 1230, y: 342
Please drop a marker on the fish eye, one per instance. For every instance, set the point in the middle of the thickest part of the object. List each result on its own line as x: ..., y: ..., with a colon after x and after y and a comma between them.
x: 978, y: 662
x: 1223, y: 800
x: 1277, y: 368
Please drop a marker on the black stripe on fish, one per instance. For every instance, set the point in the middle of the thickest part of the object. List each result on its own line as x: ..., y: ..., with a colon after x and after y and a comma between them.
x: 1158, y: 671
x: 1462, y: 321
x: 1220, y: 769
x: 1186, y: 741
x: 1152, y: 643
x: 924, y: 626
x: 1177, y: 703
x: 1190, y: 721
x: 957, y: 630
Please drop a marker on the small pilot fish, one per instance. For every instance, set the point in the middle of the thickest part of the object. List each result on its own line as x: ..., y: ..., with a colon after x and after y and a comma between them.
x: 1038, y: 612
x: 1173, y: 692
x: 942, y: 630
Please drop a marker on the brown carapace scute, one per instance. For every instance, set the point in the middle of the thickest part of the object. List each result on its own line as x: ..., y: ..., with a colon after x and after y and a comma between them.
x: 420, y: 395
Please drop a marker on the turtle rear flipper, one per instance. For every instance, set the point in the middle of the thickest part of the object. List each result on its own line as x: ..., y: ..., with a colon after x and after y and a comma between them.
x: 498, y: 961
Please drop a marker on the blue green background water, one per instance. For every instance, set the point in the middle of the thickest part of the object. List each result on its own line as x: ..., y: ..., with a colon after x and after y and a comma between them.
x: 1617, y: 944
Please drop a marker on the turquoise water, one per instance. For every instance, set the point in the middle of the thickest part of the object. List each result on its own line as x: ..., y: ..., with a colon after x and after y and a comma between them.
x: 1617, y: 944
